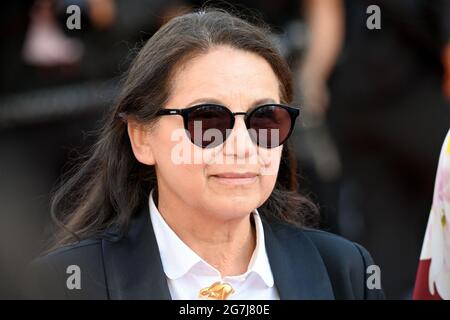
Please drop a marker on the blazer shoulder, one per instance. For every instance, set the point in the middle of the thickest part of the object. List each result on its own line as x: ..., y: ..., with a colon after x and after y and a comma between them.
x: 79, y: 247
x: 74, y: 271
x: 333, y: 245
x: 329, y: 244
x: 77, y: 253
x: 349, y: 265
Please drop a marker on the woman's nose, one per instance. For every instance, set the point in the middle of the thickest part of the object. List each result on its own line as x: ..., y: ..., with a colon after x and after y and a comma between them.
x: 239, y: 143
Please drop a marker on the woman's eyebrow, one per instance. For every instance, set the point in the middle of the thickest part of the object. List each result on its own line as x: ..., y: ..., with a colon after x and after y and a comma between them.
x: 262, y: 101
x: 206, y: 100
x: 217, y: 101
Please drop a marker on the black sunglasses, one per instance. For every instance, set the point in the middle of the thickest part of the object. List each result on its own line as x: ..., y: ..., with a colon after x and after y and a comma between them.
x: 269, y: 125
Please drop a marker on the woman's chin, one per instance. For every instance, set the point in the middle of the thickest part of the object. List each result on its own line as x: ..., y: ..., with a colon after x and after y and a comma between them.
x: 234, y: 208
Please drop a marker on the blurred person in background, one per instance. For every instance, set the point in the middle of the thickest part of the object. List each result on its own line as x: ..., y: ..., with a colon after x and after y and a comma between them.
x: 384, y: 93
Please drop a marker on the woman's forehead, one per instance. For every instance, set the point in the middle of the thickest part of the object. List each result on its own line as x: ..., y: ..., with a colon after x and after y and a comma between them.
x: 227, y: 75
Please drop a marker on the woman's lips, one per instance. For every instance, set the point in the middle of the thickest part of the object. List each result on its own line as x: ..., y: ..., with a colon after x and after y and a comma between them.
x: 235, y: 178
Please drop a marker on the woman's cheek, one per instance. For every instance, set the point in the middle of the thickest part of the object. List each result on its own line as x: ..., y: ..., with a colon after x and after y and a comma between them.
x: 269, y: 161
x: 267, y: 185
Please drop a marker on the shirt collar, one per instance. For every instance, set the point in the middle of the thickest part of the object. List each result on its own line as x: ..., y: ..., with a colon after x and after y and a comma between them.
x: 177, y: 258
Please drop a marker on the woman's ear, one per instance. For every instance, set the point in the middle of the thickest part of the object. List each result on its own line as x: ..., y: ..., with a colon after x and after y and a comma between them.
x: 140, y: 139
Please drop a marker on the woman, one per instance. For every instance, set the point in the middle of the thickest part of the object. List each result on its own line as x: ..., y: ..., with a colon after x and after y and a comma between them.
x: 190, y: 191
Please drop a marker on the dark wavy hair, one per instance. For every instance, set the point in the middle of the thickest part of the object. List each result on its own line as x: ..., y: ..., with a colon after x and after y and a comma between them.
x: 109, y: 185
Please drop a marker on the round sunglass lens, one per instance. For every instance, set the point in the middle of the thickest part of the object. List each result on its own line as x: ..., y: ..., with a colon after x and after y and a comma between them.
x: 207, y: 125
x: 270, y: 126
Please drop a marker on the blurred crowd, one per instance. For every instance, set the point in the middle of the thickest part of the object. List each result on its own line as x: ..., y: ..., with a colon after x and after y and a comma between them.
x: 375, y: 101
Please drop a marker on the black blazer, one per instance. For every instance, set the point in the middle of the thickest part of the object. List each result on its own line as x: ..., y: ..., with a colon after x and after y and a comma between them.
x: 306, y: 264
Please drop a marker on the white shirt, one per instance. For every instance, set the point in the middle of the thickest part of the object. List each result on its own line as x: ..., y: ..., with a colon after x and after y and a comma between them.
x: 187, y: 272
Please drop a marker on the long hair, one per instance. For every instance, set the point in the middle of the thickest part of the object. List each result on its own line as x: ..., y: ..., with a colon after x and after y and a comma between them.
x: 109, y: 185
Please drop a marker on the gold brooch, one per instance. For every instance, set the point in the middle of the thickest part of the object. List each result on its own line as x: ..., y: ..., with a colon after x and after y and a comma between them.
x: 216, y: 291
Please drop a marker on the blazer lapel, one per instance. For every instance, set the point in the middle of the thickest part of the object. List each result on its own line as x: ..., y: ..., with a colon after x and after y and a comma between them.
x: 298, y: 269
x: 133, y: 265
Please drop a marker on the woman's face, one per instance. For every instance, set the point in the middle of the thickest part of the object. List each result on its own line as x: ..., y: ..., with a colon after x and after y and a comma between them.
x: 232, y: 179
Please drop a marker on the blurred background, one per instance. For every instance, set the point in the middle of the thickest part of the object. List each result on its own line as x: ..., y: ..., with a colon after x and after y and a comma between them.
x: 373, y: 83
